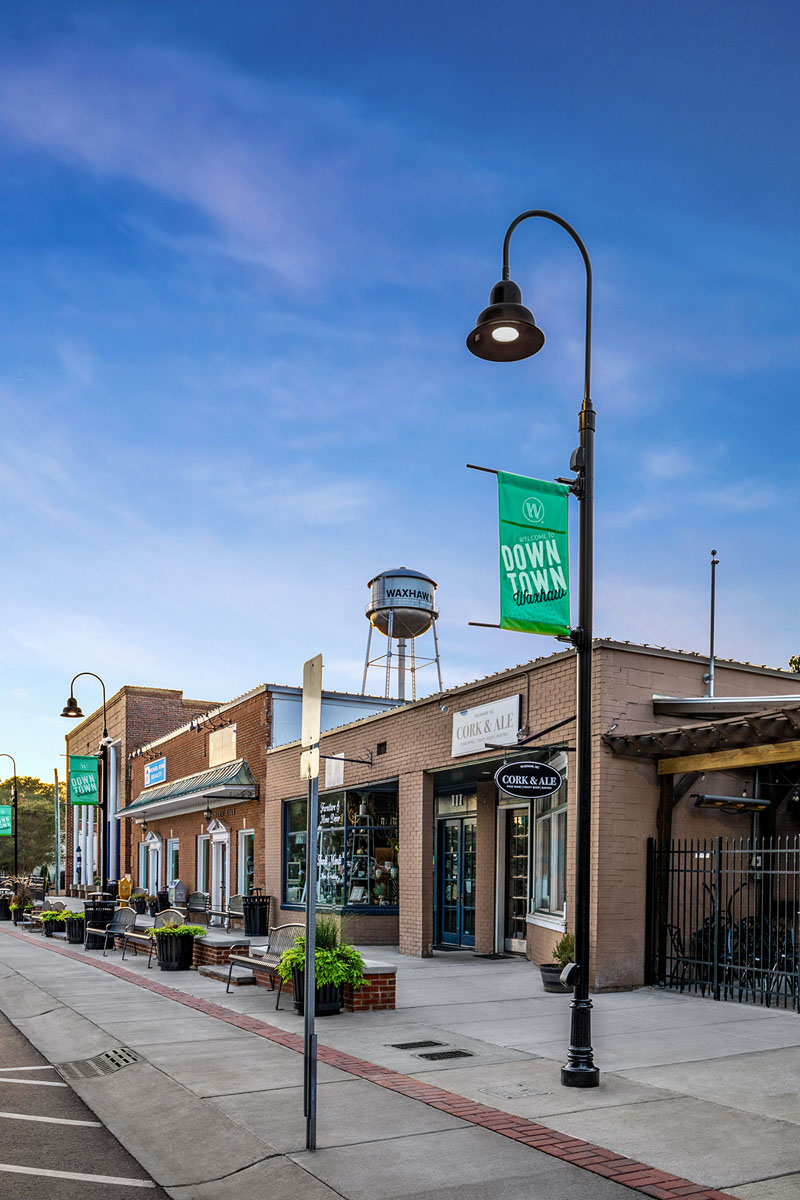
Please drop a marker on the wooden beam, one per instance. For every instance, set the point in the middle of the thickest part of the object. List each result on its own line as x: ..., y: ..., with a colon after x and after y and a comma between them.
x: 747, y: 756
x: 792, y: 716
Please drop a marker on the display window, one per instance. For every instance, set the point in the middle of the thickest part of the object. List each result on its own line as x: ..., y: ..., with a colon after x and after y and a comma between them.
x: 357, y: 849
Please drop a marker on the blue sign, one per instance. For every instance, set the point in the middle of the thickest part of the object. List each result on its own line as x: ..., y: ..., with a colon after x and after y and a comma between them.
x: 155, y: 772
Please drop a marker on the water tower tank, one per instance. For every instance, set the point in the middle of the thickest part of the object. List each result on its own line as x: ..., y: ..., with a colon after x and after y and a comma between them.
x: 408, y: 597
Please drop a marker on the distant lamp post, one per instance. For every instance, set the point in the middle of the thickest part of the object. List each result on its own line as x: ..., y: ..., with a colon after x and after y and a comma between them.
x: 15, y: 808
x: 72, y: 709
x: 506, y: 331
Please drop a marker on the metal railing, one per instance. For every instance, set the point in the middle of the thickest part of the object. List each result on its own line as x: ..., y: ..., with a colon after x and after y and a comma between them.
x: 723, y: 919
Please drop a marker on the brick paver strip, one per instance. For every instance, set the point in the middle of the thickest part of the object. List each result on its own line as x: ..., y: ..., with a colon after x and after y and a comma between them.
x: 639, y: 1177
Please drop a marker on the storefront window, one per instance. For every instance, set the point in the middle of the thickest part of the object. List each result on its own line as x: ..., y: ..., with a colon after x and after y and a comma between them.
x: 550, y: 865
x: 203, y: 862
x: 246, y: 862
x: 172, y: 860
x: 357, y: 850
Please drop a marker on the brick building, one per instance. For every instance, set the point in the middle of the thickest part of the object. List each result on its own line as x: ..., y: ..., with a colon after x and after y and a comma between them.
x: 418, y: 845
x: 134, y: 715
x: 196, y: 798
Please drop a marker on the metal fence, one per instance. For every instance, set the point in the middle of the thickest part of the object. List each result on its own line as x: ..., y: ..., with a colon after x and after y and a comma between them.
x: 723, y: 919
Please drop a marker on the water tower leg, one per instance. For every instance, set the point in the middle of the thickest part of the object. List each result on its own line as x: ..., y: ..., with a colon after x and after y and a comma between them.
x: 366, y: 662
x: 438, y: 660
x: 389, y: 656
x: 413, y: 671
x: 401, y: 668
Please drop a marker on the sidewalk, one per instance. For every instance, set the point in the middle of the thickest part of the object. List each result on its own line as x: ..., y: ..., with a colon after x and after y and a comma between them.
x: 690, y: 1090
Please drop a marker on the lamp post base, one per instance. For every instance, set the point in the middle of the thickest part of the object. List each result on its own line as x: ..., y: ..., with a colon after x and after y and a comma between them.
x: 580, y: 1076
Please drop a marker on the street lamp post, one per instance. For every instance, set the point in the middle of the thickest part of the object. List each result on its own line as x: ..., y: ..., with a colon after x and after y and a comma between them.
x: 72, y: 709
x: 506, y: 332
x: 15, y: 806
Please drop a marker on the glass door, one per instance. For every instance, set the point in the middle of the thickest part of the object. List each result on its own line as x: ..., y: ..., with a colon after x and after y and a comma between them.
x: 456, y: 881
x: 516, y: 898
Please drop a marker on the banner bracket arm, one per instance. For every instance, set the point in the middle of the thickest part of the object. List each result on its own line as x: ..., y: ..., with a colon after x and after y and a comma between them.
x: 488, y: 470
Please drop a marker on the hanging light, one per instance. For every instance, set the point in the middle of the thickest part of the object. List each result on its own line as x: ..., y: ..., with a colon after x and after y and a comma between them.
x: 72, y: 708
x: 144, y: 824
x: 207, y: 813
x: 505, y: 331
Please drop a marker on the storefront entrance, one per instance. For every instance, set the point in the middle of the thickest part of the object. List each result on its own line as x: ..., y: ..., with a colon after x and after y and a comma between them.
x: 517, y: 841
x: 455, y: 891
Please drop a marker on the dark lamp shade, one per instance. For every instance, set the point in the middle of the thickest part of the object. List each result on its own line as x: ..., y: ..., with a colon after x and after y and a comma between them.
x: 72, y: 708
x: 506, y: 331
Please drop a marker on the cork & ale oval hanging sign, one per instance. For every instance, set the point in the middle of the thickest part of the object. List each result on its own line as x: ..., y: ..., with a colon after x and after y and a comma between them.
x: 528, y: 780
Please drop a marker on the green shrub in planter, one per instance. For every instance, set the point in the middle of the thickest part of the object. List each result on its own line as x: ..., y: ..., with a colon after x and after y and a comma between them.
x: 335, y: 964
x: 74, y: 925
x: 563, y: 954
x: 50, y: 918
x: 175, y: 945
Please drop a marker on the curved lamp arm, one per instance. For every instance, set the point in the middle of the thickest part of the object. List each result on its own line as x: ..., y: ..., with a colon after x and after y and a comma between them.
x: 102, y: 685
x: 15, y: 770
x: 549, y: 216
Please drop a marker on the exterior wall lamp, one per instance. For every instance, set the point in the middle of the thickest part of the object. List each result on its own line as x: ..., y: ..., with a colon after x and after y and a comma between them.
x: 506, y: 331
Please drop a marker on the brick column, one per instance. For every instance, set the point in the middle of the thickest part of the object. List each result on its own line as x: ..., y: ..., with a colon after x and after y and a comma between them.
x: 416, y: 864
x: 485, y: 882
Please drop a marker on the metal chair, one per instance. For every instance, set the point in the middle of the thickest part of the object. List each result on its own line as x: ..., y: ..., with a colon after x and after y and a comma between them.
x: 120, y: 923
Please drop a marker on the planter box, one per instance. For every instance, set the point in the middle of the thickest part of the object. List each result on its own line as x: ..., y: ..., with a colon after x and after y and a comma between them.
x: 50, y: 927
x: 329, y: 997
x: 551, y: 979
x: 74, y: 928
x: 175, y: 953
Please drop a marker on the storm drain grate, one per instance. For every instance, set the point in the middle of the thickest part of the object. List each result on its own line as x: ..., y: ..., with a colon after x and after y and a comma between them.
x: 437, y: 1055
x: 101, y: 1064
x: 413, y: 1045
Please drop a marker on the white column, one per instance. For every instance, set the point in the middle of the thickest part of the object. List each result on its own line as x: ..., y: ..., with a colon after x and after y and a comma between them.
x: 75, y: 843
x: 111, y: 815
x: 84, y: 842
x: 90, y: 854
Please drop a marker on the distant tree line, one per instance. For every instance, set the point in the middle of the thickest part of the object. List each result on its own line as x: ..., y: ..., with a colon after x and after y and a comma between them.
x: 37, y: 824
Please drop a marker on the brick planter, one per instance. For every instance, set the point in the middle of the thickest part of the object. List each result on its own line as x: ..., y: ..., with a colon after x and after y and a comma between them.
x: 379, y: 995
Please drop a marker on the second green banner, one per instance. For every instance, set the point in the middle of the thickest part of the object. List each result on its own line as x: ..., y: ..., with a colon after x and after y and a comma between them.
x: 534, y: 554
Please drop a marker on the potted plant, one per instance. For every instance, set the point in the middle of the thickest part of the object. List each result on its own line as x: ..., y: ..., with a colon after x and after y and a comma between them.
x: 175, y: 945
x: 138, y: 904
x: 73, y: 924
x: 152, y: 904
x: 563, y: 954
x: 22, y: 900
x: 335, y: 963
x: 50, y: 918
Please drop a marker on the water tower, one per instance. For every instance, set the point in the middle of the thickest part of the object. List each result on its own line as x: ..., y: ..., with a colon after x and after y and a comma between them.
x: 402, y: 607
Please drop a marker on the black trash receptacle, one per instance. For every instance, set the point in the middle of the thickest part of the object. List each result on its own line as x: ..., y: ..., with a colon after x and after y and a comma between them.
x: 99, y: 914
x: 256, y: 915
x: 163, y: 900
x: 113, y: 889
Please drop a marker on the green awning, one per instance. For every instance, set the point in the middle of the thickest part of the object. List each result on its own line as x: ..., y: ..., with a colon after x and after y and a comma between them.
x: 231, y: 781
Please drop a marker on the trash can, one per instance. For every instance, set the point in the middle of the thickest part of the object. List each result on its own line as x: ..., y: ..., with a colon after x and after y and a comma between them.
x: 163, y: 900
x: 113, y: 889
x: 256, y: 915
x: 99, y: 913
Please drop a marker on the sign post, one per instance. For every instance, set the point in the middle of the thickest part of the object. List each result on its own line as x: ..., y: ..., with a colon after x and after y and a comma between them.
x: 309, y: 770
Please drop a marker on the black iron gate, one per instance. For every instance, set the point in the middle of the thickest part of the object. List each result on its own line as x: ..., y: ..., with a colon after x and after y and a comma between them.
x: 723, y: 919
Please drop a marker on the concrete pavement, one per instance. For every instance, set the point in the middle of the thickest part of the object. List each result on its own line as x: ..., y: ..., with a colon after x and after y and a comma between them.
x: 702, y: 1091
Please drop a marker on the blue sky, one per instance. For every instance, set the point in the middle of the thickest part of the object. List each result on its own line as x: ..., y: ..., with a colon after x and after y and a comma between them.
x: 241, y: 248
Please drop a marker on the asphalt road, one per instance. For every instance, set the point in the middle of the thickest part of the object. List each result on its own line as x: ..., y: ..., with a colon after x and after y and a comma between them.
x: 47, y: 1130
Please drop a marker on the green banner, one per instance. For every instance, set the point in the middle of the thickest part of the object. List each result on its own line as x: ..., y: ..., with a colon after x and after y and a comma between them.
x: 534, y: 554
x: 82, y: 779
x: 6, y: 826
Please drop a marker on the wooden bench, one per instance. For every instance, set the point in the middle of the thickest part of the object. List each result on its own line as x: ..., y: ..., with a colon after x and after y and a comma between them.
x: 265, y: 958
x: 136, y: 938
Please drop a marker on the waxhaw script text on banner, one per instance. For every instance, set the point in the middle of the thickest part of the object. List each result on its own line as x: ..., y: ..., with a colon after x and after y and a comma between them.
x: 534, y: 554
x: 82, y: 779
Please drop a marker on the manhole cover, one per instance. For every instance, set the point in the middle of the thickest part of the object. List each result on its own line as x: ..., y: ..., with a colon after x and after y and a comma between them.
x: 413, y: 1045
x: 101, y: 1064
x: 440, y: 1054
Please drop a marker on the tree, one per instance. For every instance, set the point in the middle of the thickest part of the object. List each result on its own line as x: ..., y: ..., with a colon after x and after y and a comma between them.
x: 794, y: 662
x: 37, y: 824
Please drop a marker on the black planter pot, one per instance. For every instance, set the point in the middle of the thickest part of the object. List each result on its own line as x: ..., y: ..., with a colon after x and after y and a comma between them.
x: 175, y: 952
x: 5, y: 911
x: 49, y: 927
x: 74, y: 927
x: 152, y: 908
x: 551, y: 979
x: 138, y: 904
x: 15, y: 915
x: 329, y: 997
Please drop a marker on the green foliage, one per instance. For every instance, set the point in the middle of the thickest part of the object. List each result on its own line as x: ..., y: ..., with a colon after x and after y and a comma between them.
x: 327, y: 932
x: 341, y: 964
x: 51, y: 914
x: 23, y: 896
x: 69, y: 915
x: 564, y: 951
x: 794, y: 662
x: 37, y: 823
x: 195, y: 931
